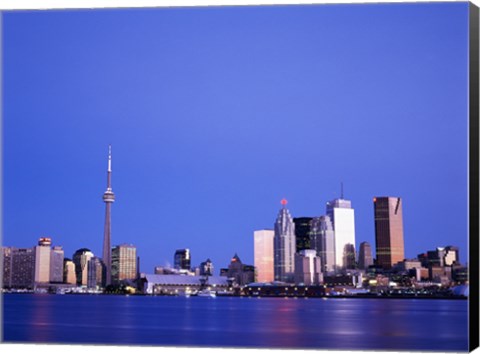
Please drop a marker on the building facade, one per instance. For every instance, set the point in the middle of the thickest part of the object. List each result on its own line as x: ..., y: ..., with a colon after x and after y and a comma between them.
x: 263, y: 255
x: 308, y: 268
x: 206, y: 268
x: 96, y: 273
x: 365, y: 258
x: 124, y: 263
x: 182, y: 259
x: 23, y: 268
x: 239, y: 273
x: 69, y: 274
x: 42, y: 260
x: 342, y: 216
x: 322, y: 240
x: 302, y: 233
x: 80, y: 259
x: 6, y: 264
x: 388, y: 231
x: 284, y: 246
x: 56, y: 264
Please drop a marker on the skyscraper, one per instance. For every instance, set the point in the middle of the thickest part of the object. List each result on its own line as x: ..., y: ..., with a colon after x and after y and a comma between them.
x: 302, y: 233
x: 124, y: 263
x: 365, y: 258
x: 108, y: 198
x: 181, y: 259
x: 388, y: 231
x: 322, y: 240
x: 96, y: 273
x: 307, y: 268
x: 263, y: 255
x: 343, y: 219
x: 42, y: 260
x: 6, y: 266
x: 69, y: 274
x: 284, y: 246
x: 80, y: 259
x: 56, y: 264
x: 23, y: 268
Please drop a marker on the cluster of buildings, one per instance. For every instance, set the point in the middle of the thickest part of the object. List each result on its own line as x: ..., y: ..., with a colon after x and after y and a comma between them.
x: 298, y: 252
x: 321, y: 251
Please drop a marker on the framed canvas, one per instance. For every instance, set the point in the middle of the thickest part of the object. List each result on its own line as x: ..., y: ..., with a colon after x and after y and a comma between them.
x: 270, y: 176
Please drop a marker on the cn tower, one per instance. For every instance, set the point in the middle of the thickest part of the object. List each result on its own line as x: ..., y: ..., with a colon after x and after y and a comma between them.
x: 108, y: 198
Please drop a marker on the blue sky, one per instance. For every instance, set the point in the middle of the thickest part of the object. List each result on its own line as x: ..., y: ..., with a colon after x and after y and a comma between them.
x: 216, y: 114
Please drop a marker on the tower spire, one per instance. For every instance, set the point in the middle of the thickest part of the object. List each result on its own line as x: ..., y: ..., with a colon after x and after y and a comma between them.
x: 108, y: 198
x: 341, y: 190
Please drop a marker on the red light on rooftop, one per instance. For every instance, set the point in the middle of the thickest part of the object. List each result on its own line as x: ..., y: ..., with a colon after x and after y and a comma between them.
x: 374, y: 200
x: 284, y: 201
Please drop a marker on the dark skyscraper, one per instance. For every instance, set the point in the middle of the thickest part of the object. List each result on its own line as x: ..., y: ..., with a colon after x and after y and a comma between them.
x: 302, y: 233
x: 182, y: 259
x: 388, y: 231
x: 365, y: 258
x: 108, y: 198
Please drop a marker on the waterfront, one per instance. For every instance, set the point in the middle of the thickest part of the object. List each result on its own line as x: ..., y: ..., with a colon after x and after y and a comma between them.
x: 368, y: 324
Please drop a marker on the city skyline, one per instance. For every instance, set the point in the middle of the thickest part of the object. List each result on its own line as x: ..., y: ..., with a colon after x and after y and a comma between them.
x: 213, y: 124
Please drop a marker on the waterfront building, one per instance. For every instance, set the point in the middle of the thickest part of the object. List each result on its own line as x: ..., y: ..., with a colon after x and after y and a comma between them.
x: 69, y: 274
x: 56, y: 264
x: 302, y: 233
x: 182, y: 259
x: 388, y: 231
x: 342, y: 215
x: 174, y: 284
x: 96, y: 273
x: 81, y: 258
x: 206, y: 268
x: 308, y: 268
x: 22, y: 268
x: 441, y: 256
x: 365, y: 258
x: 322, y: 240
x: 239, y: 273
x: 42, y: 260
x: 284, y: 246
x: 124, y: 263
x: 263, y: 255
x: 108, y: 198
x: 6, y: 266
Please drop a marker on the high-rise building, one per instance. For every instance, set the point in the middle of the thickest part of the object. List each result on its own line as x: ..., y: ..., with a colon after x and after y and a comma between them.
x: 124, y: 263
x: 42, y: 260
x: 284, y: 246
x: 388, y: 231
x: 69, y: 275
x: 240, y: 273
x: 81, y: 258
x: 23, y: 268
x: 96, y: 273
x: 307, y: 268
x: 365, y: 258
x: 343, y: 220
x: 263, y: 255
x: 302, y: 233
x: 206, y: 268
x: 56, y: 264
x: 108, y: 198
x: 182, y: 259
x: 6, y: 265
x: 322, y: 240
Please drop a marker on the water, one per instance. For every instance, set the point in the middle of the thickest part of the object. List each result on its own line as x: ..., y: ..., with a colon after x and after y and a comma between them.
x: 365, y: 324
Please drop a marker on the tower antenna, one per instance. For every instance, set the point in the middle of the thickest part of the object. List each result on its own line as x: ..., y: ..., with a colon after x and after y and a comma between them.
x: 341, y: 190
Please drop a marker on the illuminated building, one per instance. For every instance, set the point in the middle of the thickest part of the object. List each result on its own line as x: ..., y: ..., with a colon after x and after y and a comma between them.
x: 6, y: 264
x: 388, y: 231
x: 240, y: 273
x: 96, y: 273
x: 365, y: 258
x: 302, y: 233
x: 206, y: 268
x: 322, y: 240
x: 343, y: 220
x: 81, y: 258
x: 263, y: 255
x: 182, y: 259
x: 108, y: 198
x: 124, y: 263
x: 22, y: 267
x: 284, y: 246
x: 69, y: 275
x: 307, y: 268
x: 42, y: 260
x: 56, y: 264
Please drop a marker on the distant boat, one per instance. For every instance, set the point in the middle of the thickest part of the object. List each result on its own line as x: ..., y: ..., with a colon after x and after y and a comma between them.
x: 206, y: 293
